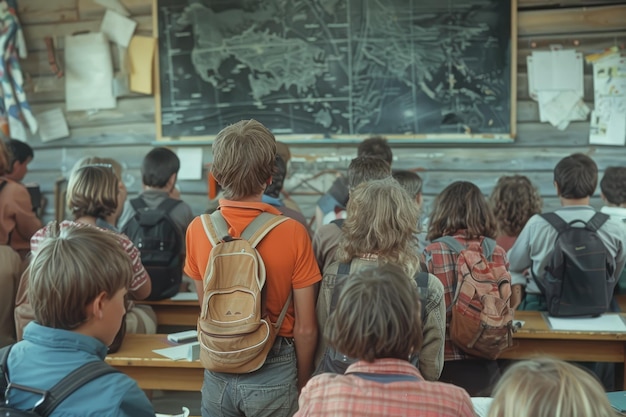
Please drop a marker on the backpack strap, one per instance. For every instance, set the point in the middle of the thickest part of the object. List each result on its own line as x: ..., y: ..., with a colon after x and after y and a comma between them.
x: 283, y: 312
x: 555, y: 221
x: 261, y: 226
x: 342, y: 269
x: 451, y: 243
x: 215, y: 227
x: 4, y: 375
x: 488, y: 245
x: 597, y: 221
x: 74, y: 380
x: 138, y: 204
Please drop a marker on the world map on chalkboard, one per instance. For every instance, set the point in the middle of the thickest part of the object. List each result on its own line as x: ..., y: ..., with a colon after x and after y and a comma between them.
x: 335, y: 67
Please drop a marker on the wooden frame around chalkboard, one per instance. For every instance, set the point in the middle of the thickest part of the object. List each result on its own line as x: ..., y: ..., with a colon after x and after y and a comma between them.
x: 319, y: 138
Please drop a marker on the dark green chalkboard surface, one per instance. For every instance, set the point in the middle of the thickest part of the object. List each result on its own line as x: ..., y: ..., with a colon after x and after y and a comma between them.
x: 338, y: 69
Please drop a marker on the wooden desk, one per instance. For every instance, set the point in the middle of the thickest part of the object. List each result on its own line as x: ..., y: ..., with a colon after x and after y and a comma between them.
x: 152, y: 371
x: 175, y: 313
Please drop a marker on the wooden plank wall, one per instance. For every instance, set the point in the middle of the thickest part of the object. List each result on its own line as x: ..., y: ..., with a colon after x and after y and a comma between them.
x: 128, y: 132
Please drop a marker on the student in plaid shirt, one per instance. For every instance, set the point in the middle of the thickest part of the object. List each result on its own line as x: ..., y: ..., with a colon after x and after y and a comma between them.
x: 377, y: 320
x: 461, y: 211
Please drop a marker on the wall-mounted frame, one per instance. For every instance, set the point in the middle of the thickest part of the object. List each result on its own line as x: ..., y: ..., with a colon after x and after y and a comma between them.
x: 421, y: 70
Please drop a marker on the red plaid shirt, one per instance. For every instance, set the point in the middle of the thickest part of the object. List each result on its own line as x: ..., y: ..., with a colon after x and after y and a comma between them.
x: 333, y: 395
x: 441, y: 262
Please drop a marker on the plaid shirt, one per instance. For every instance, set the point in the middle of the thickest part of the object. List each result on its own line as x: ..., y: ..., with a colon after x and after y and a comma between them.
x: 332, y: 395
x: 441, y: 262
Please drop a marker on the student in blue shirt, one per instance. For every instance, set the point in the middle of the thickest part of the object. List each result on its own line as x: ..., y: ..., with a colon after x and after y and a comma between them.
x: 79, y: 277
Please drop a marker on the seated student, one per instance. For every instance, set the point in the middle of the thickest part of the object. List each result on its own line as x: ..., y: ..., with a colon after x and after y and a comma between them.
x: 326, y: 238
x: 271, y: 195
x: 333, y: 203
x: 109, y: 221
x: 92, y: 192
x: 379, y: 230
x: 22, y: 156
x: 461, y: 211
x: 545, y: 387
x: 75, y: 324
x: 613, y: 193
x: 377, y: 320
x: 575, y: 180
x: 514, y: 200
x: 18, y: 222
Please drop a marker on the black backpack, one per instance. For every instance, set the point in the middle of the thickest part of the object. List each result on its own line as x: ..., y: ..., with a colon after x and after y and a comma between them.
x: 51, y: 398
x: 578, y: 279
x: 336, y: 362
x: 160, y: 243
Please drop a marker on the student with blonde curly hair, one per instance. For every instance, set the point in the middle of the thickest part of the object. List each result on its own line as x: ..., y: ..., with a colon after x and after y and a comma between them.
x: 379, y: 230
x: 546, y: 387
x: 462, y: 212
x: 514, y: 200
x: 377, y: 321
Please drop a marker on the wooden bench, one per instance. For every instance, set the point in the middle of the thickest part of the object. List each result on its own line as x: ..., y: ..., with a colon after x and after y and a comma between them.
x: 535, y: 338
x: 174, y: 313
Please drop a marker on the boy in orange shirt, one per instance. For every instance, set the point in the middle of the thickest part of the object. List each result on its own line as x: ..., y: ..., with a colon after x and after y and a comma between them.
x: 243, y: 163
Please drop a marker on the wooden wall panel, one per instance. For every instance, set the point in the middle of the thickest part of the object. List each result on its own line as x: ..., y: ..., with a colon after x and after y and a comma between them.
x: 128, y: 132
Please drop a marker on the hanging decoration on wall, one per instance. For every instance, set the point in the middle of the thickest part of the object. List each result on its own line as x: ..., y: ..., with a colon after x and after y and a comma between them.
x: 15, y: 112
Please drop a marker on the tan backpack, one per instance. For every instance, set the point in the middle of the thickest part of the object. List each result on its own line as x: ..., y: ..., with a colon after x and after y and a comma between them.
x: 234, y: 330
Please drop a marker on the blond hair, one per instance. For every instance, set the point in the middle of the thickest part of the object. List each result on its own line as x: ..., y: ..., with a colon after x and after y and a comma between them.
x: 70, y: 268
x: 382, y: 220
x: 546, y: 387
x: 514, y: 200
x: 243, y: 159
x: 377, y: 316
x: 92, y: 191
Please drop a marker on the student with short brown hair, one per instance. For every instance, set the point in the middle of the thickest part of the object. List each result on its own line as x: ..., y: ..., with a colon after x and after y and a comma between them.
x: 462, y: 212
x: 243, y: 163
x: 75, y: 323
x: 377, y: 321
x: 546, y: 387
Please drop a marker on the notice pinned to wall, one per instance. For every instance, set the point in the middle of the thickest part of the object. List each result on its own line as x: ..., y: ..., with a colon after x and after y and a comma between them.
x: 556, y: 82
x: 88, y: 73
x: 52, y: 125
x: 141, y: 62
x: 190, y: 163
x: 117, y: 28
x: 608, y: 121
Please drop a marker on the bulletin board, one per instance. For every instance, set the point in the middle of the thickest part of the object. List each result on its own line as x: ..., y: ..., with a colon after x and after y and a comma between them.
x: 440, y: 70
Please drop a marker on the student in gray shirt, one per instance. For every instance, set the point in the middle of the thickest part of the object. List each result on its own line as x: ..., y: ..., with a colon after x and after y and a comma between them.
x: 575, y: 180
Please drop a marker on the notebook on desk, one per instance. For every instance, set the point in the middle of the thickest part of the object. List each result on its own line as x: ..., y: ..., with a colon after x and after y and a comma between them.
x: 618, y: 400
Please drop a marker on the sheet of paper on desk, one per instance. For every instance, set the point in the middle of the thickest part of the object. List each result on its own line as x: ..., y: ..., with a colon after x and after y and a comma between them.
x: 187, y: 352
x: 88, y: 73
x: 605, y: 323
x: 185, y: 413
x: 481, y: 405
x: 185, y: 296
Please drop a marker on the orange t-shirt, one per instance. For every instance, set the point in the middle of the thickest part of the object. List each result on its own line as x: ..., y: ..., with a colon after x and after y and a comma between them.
x: 286, y: 252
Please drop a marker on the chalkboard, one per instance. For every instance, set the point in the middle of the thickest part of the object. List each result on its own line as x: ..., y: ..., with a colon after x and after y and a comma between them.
x: 337, y: 68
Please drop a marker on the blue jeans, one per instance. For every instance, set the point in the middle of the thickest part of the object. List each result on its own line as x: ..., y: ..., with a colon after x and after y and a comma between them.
x: 270, y: 391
